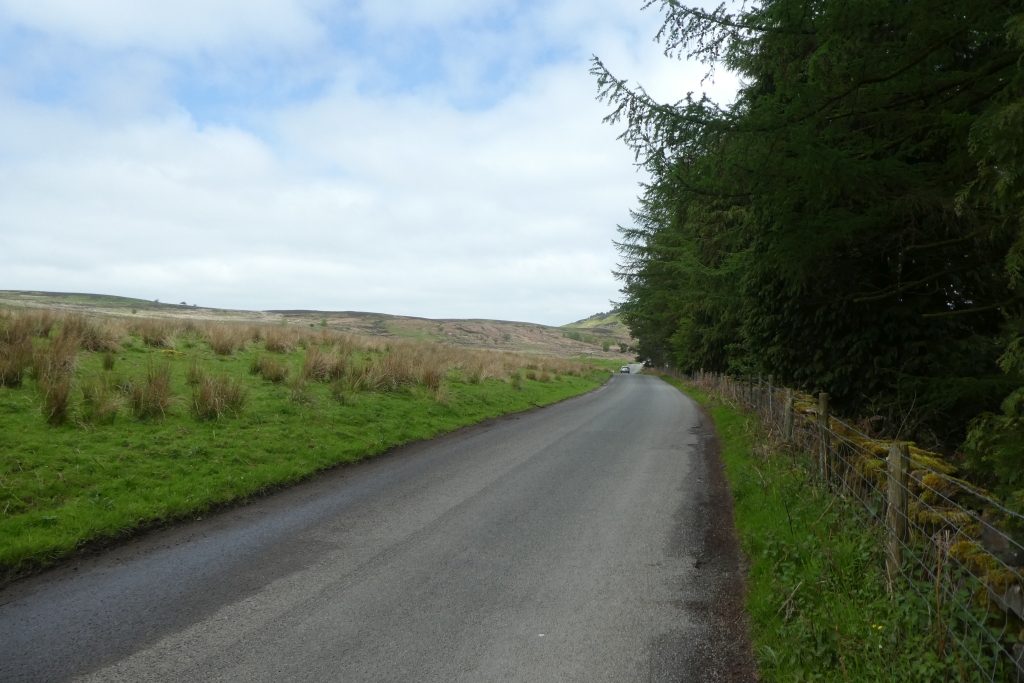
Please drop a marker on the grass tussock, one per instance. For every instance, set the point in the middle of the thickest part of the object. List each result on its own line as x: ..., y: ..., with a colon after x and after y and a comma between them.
x: 155, y: 333
x: 323, y: 366
x: 280, y: 339
x: 108, y: 361
x: 215, y: 397
x: 151, y: 397
x: 92, y: 334
x: 194, y: 372
x: 226, y: 339
x: 100, y: 401
x: 269, y: 369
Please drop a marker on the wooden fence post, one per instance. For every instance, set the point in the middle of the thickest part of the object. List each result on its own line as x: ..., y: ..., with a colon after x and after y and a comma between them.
x: 771, y: 404
x: 824, y: 434
x: 896, y: 522
x: 787, y: 420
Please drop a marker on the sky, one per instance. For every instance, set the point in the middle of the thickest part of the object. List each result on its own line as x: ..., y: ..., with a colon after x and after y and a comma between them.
x: 436, y: 158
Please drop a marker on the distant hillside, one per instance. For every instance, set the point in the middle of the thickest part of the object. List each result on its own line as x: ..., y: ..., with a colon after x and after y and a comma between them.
x: 492, y: 334
x: 602, y: 323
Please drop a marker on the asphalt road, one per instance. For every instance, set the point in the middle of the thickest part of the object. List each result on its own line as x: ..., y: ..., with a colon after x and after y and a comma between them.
x: 585, y: 541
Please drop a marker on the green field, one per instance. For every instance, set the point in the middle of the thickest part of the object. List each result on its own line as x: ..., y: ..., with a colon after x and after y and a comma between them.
x: 101, y: 473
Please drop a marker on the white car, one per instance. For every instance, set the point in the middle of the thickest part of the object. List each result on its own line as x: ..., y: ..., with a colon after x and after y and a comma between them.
x: 625, y: 369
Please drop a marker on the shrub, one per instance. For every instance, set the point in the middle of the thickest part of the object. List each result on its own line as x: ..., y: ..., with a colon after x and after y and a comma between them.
x: 151, y: 398
x: 214, y: 397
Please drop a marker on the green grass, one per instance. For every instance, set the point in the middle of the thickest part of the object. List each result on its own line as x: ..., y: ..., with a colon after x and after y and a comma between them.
x: 62, y: 486
x: 817, y: 594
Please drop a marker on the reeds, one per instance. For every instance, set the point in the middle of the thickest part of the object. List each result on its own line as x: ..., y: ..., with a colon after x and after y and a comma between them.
x: 214, y: 397
x: 108, y: 360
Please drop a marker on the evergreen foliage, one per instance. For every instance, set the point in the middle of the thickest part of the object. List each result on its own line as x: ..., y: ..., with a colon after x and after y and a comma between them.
x: 852, y: 223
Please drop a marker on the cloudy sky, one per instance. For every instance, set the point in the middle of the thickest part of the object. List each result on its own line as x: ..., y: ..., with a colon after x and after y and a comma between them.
x: 441, y: 158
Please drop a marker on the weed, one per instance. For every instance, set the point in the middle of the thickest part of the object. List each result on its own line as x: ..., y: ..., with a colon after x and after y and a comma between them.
x: 543, y: 376
x: 516, y: 380
x: 214, y: 397
x: 108, y: 360
x: 530, y: 374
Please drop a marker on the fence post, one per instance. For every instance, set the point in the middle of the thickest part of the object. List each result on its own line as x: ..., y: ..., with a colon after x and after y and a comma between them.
x: 771, y: 405
x: 787, y: 419
x: 823, y: 433
x: 896, y: 523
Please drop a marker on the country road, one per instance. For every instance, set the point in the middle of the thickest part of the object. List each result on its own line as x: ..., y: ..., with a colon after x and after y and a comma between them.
x: 586, y: 541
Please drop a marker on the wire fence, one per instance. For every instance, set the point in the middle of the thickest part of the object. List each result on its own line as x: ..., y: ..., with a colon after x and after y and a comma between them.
x: 953, y: 543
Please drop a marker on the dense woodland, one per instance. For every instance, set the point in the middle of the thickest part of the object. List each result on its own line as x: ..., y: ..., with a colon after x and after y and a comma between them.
x: 852, y: 223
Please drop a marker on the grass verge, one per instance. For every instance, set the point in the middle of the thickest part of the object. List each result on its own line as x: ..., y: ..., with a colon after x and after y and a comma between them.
x: 167, y: 428
x: 817, y: 593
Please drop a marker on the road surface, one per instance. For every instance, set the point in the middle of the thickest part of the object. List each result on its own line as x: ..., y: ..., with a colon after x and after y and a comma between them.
x: 587, y: 541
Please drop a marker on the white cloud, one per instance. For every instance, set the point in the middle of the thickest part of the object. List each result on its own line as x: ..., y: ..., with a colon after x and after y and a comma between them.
x: 172, y: 26
x: 402, y: 203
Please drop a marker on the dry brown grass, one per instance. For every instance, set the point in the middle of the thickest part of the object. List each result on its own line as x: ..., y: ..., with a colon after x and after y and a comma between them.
x: 324, y: 365
x: 215, y: 397
x: 269, y: 369
x: 225, y: 338
x: 15, y: 358
x: 194, y: 373
x: 151, y: 397
x: 158, y: 334
x: 93, y: 334
x: 54, y: 367
x: 100, y: 401
x: 280, y: 339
